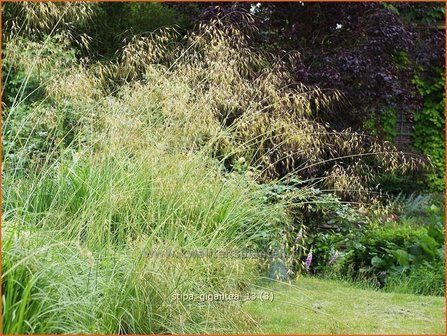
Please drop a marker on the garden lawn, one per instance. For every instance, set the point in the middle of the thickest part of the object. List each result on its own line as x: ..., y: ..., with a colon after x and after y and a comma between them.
x: 315, y: 306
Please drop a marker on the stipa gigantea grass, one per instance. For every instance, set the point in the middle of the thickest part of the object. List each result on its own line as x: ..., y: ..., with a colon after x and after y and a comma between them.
x: 255, y: 98
x: 36, y: 20
x: 77, y: 210
x: 144, y: 169
x: 107, y: 199
x: 258, y: 100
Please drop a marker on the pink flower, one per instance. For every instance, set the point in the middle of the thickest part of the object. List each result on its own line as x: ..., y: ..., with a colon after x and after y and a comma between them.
x: 308, y: 260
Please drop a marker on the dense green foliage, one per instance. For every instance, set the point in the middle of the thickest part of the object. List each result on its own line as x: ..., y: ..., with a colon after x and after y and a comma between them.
x: 387, y: 247
x: 116, y: 22
x: 429, y: 127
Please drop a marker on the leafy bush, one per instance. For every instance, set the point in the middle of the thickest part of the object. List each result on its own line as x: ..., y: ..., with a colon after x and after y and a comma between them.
x: 382, y: 246
x: 392, y: 248
x: 368, y: 51
x: 398, y: 251
x: 429, y: 127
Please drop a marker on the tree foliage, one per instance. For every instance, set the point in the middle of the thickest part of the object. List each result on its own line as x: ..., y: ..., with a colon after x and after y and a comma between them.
x: 368, y: 51
x: 383, y: 58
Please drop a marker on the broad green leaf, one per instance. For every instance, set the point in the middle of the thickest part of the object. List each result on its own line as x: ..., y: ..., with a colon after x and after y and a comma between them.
x: 403, y: 258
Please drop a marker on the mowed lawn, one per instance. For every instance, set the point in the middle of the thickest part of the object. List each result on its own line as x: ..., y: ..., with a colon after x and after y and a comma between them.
x: 315, y: 306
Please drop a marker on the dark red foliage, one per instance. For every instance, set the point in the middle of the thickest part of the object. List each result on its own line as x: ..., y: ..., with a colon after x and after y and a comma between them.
x: 368, y: 51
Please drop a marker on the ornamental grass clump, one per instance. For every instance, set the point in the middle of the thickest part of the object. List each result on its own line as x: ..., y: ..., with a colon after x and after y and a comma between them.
x: 113, y: 160
x: 263, y: 115
x: 82, y: 216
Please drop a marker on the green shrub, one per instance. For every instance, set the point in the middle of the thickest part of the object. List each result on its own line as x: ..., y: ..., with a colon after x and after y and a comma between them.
x: 429, y: 127
x: 135, y: 177
x: 394, y: 251
x: 88, y: 228
x: 382, y: 246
